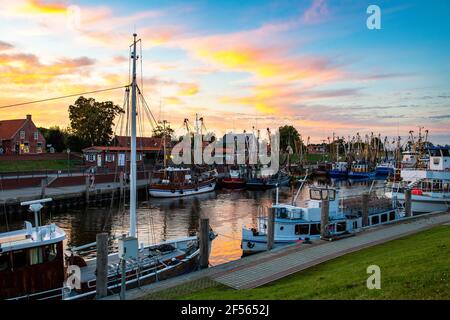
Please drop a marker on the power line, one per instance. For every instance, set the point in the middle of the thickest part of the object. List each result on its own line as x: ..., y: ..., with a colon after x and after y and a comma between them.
x: 62, y: 97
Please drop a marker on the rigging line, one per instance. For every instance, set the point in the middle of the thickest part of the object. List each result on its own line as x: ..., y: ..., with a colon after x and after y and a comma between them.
x: 62, y: 97
x: 145, y: 102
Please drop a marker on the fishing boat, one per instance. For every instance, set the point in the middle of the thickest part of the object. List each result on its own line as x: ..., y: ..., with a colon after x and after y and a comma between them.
x: 339, y: 170
x: 34, y: 267
x: 360, y: 170
x: 293, y: 224
x: 385, y: 168
x: 179, y: 182
x: 234, y: 180
x: 430, y: 187
x: 323, y: 168
x: 265, y: 181
x: 32, y: 259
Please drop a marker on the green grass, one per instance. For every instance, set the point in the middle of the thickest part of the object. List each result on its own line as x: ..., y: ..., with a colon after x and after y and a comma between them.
x: 414, y: 267
x: 29, y: 165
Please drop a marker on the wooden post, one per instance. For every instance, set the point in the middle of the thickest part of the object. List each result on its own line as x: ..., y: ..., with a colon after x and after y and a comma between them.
x: 270, y: 228
x: 204, y: 243
x: 408, y: 206
x: 324, y: 218
x: 43, y: 186
x: 365, y: 209
x: 102, y: 265
x: 87, y: 181
x: 121, y: 186
x: 123, y: 285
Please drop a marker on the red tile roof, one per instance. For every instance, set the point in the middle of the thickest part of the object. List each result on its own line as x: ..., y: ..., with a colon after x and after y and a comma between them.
x: 9, y: 127
x: 125, y: 141
x: 112, y: 148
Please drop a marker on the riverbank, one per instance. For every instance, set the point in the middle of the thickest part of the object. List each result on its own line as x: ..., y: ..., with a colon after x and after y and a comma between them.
x: 412, y: 267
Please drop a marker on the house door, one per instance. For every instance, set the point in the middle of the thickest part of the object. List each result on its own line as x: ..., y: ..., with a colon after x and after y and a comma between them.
x: 99, y: 160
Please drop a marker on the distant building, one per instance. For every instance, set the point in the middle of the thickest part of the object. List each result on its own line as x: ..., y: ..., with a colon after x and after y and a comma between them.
x: 316, y: 148
x: 118, y: 154
x: 20, y: 136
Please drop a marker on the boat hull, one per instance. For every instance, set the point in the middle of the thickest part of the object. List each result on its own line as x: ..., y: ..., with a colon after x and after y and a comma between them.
x: 423, y: 203
x: 362, y: 175
x: 233, y: 183
x: 338, y: 174
x: 259, y: 184
x: 176, y: 193
x: 383, y: 171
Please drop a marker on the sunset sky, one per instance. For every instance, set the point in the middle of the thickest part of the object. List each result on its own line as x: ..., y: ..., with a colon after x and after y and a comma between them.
x: 310, y: 63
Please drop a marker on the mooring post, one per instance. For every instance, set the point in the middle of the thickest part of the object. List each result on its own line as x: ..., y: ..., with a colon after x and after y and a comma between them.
x: 121, y: 186
x: 43, y: 186
x: 408, y: 206
x: 324, y: 218
x: 204, y: 243
x: 102, y: 266
x: 270, y: 228
x: 365, y: 209
x: 123, y: 282
x: 87, y: 181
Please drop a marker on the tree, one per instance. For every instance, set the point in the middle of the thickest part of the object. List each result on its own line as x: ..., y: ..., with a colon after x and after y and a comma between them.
x: 289, y: 136
x: 92, y: 122
x: 158, y: 131
x: 55, y: 137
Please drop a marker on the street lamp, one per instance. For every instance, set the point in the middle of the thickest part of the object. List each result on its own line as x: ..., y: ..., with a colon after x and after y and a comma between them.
x: 68, y: 161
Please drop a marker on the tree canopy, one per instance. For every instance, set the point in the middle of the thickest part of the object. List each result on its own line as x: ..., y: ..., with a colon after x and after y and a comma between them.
x: 92, y: 121
x: 289, y: 136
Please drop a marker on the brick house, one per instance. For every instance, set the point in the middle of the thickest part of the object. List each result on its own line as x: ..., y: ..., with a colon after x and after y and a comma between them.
x: 20, y: 136
x: 316, y: 148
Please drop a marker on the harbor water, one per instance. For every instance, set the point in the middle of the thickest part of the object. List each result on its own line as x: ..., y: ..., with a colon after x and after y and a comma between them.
x: 164, y: 219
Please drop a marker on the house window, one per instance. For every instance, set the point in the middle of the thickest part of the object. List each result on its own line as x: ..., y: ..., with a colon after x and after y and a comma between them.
x: 109, y: 158
x: 22, y: 134
x: 91, y: 157
x: 39, y: 147
x: 36, y: 135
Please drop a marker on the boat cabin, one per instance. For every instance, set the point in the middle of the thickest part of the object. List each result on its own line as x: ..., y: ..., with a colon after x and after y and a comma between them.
x: 439, y: 158
x: 32, y: 262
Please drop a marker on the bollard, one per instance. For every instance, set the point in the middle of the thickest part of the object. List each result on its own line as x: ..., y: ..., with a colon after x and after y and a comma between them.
x: 102, y: 266
x: 270, y: 228
x: 43, y: 186
x: 324, y: 218
x: 408, y: 206
x: 204, y: 243
x: 365, y: 209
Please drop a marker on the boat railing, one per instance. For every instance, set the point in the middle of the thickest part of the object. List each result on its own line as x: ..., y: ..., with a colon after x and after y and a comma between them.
x: 53, y: 294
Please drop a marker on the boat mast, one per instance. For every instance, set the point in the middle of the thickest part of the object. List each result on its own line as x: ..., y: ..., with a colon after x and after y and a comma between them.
x: 133, y: 146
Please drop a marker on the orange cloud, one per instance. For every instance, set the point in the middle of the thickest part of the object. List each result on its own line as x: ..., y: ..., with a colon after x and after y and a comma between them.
x: 188, y: 89
x: 40, y: 7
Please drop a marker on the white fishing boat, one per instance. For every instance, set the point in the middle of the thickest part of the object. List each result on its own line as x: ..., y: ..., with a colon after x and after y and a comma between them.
x: 430, y: 187
x: 297, y: 224
x: 179, y: 182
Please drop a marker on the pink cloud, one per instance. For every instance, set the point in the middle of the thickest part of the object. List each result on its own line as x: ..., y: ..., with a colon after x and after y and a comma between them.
x: 317, y: 13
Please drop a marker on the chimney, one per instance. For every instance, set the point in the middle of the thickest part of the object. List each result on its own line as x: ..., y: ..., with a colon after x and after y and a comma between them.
x: 29, y: 117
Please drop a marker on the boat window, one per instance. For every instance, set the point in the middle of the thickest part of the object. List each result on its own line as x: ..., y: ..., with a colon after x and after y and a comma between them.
x: 35, y: 256
x: 384, y: 217
x: 341, y: 226
x: 355, y: 224
x: 302, y: 229
x: 282, y: 213
x: 375, y: 220
x: 4, y: 262
x: 50, y: 253
x: 19, y: 259
x: 315, y: 229
x: 446, y: 152
x: 391, y: 215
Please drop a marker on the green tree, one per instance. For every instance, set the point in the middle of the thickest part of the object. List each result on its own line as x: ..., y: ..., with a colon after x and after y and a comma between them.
x: 92, y: 121
x: 55, y: 137
x: 289, y: 136
x: 158, y: 131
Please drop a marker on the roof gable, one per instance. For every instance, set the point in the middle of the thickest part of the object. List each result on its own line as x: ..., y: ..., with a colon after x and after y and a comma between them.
x: 8, y: 128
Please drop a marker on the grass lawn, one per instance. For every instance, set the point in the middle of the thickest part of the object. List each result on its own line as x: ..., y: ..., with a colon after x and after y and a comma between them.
x: 414, y: 267
x: 29, y: 165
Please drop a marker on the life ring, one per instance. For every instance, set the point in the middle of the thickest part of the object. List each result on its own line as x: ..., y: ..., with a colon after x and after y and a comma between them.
x: 250, y: 244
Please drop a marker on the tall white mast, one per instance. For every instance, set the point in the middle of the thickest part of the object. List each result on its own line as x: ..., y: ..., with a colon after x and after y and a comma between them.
x: 133, y: 146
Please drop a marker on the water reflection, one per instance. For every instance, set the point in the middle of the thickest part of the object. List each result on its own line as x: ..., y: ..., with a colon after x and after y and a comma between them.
x: 163, y: 219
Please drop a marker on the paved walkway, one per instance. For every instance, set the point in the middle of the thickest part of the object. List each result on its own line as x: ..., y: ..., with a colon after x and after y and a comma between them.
x: 260, y: 269
x: 25, y: 194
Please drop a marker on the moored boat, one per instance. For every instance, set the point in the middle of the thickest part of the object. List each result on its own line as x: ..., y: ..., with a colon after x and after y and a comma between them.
x: 234, y: 180
x: 339, y: 170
